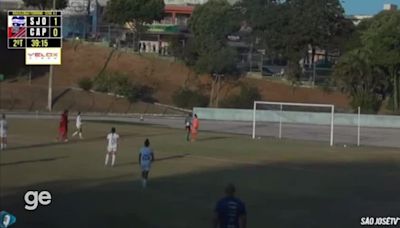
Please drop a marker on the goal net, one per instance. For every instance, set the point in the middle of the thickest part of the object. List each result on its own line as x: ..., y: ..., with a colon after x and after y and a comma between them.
x: 293, y: 120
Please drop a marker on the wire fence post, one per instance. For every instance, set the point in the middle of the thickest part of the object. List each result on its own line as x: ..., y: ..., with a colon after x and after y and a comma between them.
x: 254, y: 120
x: 358, y: 126
x: 280, y: 122
x: 332, y: 121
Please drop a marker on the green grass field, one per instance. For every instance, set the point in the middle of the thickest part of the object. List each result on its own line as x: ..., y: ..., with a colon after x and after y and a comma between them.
x: 283, y: 183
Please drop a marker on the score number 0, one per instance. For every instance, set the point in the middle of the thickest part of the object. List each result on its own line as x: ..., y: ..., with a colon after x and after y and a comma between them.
x: 55, y: 32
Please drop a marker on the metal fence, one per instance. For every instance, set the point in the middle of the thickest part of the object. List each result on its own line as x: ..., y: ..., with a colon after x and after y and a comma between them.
x: 259, y: 64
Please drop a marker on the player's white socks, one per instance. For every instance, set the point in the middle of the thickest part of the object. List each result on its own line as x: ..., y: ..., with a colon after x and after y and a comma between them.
x: 144, y: 183
x: 106, y: 160
x: 73, y: 135
x: 1, y: 146
x: 80, y: 136
x: 112, y: 159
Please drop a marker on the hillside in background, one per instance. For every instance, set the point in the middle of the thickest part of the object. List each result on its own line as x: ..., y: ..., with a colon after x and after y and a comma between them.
x: 164, y: 75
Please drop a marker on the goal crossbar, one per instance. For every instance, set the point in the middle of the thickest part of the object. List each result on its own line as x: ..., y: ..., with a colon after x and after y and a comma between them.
x: 332, y: 107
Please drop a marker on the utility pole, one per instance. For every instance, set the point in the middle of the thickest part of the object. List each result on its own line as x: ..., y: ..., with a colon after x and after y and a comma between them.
x: 50, y: 92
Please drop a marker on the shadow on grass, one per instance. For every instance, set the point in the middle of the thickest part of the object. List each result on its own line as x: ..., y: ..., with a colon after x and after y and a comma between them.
x: 156, y: 160
x: 333, y: 195
x: 213, y: 138
x: 77, y: 141
x: 34, y: 161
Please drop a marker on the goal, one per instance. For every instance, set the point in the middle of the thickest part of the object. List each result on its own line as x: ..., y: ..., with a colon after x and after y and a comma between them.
x: 293, y: 120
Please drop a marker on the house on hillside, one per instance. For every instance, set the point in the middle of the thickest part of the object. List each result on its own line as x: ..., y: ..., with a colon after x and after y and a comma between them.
x: 173, y: 27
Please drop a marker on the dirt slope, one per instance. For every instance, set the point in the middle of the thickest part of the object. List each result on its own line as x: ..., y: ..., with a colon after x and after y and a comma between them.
x: 166, y: 76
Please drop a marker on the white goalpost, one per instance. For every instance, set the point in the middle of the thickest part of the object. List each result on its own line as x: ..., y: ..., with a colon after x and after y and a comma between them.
x: 288, y: 113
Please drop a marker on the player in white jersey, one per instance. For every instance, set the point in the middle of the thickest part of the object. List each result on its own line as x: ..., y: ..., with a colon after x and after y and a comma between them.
x: 3, y: 132
x: 112, y: 144
x: 78, y: 122
x: 146, y: 157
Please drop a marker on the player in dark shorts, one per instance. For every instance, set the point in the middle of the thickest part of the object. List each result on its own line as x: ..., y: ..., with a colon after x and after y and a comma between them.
x: 230, y: 212
x: 188, y: 125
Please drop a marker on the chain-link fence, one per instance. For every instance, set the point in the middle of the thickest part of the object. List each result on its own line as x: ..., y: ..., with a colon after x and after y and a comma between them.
x: 259, y: 64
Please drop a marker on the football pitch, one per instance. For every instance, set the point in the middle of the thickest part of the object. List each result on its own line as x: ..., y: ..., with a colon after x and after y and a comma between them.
x: 284, y: 183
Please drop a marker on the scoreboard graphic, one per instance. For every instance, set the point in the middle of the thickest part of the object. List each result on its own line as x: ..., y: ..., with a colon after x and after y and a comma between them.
x: 38, y: 32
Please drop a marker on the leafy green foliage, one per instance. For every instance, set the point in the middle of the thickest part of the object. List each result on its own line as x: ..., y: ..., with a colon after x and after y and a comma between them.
x: 135, y: 13
x: 356, y: 75
x: 46, y: 4
x: 3, y: 17
x: 121, y: 85
x: 186, y: 98
x: 101, y: 83
x: 370, y: 71
x: 220, y: 61
x: 85, y: 83
x: 382, y: 38
x: 245, y: 99
x: 290, y: 29
x: 187, y: 52
x: 210, y: 24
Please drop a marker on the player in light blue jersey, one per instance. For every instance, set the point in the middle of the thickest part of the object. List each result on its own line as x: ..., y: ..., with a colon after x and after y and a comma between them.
x: 146, y: 157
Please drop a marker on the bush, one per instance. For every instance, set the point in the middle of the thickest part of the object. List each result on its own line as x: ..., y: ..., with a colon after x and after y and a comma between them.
x: 245, y: 99
x: 85, y: 84
x: 186, y: 98
x: 370, y: 103
x: 121, y: 85
x: 102, y: 83
x: 145, y: 93
x: 132, y: 94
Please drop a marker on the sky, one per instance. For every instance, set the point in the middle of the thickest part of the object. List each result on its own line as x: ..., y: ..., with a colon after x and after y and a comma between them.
x: 366, y: 7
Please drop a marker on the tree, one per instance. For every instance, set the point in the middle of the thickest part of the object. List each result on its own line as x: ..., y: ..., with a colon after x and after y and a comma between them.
x: 269, y: 20
x: 213, y: 21
x: 210, y: 24
x: 293, y: 27
x: 46, y: 4
x: 365, y: 82
x: 383, y: 39
x: 136, y: 14
x: 3, y: 17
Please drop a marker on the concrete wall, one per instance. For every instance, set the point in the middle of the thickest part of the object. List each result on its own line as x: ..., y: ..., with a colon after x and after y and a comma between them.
x: 321, y: 118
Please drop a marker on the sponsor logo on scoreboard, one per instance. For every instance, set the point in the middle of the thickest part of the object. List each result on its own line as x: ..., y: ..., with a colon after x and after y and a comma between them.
x: 16, y: 26
x: 43, y: 56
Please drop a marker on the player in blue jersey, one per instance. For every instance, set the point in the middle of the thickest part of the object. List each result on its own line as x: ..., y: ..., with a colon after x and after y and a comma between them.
x: 146, y: 157
x: 230, y: 212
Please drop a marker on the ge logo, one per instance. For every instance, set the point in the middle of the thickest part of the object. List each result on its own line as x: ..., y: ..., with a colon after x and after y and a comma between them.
x: 34, y: 198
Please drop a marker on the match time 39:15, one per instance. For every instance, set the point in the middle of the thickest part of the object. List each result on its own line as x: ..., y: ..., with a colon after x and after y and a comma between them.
x: 380, y: 221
